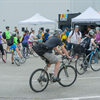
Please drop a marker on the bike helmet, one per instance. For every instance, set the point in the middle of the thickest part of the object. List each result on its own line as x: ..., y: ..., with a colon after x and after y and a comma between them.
x: 57, y: 32
x: 0, y: 31
x: 98, y: 28
x: 13, y: 33
x: 40, y: 31
x: 91, y: 32
x: 47, y: 30
x: 76, y: 26
x: 7, y: 27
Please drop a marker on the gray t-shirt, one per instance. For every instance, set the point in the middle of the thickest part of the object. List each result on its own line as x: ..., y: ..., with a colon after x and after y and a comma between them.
x: 52, y: 42
x: 75, y: 37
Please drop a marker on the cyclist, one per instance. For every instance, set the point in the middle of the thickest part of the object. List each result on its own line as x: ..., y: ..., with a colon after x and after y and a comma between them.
x: 7, y: 37
x: 74, y: 37
x: 32, y: 37
x: 25, y: 40
x: 91, y: 34
x: 53, y: 42
x: 46, y: 35
x: 98, y: 35
x: 64, y: 38
x: 14, y: 46
x: 1, y: 47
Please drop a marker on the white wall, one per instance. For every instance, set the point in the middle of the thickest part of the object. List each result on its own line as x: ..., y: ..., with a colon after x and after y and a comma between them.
x: 13, y: 11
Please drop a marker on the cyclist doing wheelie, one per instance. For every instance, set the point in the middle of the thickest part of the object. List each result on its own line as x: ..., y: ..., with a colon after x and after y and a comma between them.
x: 53, y: 42
x: 14, y: 46
x: 1, y: 47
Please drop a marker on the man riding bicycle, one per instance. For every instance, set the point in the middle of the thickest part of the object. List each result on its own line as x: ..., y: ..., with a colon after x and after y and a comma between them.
x: 53, y: 42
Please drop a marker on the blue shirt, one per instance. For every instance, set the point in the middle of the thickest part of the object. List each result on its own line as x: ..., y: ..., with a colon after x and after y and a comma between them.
x: 47, y: 35
x: 67, y: 33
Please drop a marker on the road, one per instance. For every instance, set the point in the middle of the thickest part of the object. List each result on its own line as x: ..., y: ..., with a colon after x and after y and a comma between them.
x: 14, y: 83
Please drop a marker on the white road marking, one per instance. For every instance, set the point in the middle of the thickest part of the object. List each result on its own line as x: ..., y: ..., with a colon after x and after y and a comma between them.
x: 78, y: 98
x: 89, y: 78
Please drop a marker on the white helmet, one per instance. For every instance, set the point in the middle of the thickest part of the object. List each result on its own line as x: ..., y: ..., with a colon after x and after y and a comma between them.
x: 57, y: 32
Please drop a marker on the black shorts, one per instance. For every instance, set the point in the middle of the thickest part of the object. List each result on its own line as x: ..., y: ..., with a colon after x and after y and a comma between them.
x: 18, y: 40
x: 1, y: 48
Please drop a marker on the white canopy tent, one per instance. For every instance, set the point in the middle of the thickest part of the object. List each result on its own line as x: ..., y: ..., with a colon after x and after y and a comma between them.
x: 37, y: 19
x: 88, y: 16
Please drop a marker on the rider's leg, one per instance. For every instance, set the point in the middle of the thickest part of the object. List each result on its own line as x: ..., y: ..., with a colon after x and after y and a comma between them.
x: 56, y: 68
x: 18, y: 52
x: 12, y: 58
x: 8, y: 48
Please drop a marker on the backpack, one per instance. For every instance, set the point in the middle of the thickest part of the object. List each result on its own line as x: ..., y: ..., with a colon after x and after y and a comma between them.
x: 44, y: 36
x: 86, y: 42
x: 10, y: 41
x: 3, y: 35
x: 40, y: 49
x: 73, y: 33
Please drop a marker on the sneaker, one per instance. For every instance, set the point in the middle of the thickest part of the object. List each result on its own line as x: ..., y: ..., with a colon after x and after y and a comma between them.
x: 4, y: 60
x: 12, y: 62
x: 56, y: 79
x: 43, y: 78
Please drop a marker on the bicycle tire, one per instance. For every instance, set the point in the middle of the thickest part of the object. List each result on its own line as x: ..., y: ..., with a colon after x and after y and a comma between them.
x: 96, y: 66
x: 31, y: 83
x: 17, y: 62
x: 26, y: 53
x: 69, y: 67
x: 80, y: 69
x: 23, y: 60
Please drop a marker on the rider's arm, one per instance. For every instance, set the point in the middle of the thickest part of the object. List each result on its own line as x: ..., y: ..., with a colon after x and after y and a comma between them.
x: 58, y: 51
x: 94, y: 43
x: 30, y: 39
x: 64, y: 50
x: 3, y: 39
x: 69, y: 38
x: 79, y: 40
x: 34, y: 37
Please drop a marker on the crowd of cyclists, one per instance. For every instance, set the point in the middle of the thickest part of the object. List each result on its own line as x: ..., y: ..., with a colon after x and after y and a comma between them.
x: 63, y: 39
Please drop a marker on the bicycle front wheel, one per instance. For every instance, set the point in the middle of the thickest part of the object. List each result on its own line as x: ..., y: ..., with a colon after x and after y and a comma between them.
x: 80, y: 68
x: 39, y: 80
x: 67, y: 75
x: 23, y: 60
x: 96, y: 65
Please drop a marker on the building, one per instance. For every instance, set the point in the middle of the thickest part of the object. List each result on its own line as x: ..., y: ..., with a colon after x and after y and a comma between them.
x: 13, y: 11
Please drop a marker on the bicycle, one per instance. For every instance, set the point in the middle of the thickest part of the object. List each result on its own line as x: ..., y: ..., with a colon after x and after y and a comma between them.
x: 82, y: 63
x: 27, y: 51
x: 17, y: 59
x: 67, y: 73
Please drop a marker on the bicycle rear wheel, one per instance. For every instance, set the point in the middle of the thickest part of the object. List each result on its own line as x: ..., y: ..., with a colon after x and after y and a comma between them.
x: 17, y: 62
x: 67, y: 75
x: 39, y: 80
x: 25, y: 52
x: 96, y: 65
x: 79, y: 66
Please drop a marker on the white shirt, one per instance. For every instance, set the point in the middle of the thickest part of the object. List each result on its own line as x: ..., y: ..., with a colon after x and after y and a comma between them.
x: 75, y: 37
x: 31, y: 36
x: 90, y: 47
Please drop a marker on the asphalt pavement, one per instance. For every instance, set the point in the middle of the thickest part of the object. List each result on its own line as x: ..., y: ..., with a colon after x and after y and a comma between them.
x: 14, y: 83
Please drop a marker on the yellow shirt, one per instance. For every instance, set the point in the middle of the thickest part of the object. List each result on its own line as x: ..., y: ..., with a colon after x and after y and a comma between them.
x: 63, y: 37
x: 42, y: 35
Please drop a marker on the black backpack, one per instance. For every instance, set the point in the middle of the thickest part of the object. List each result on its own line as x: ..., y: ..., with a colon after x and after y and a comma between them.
x: 40, y: 49
x: 73, y: 33
x: 86, y: 42
x: 44, y: 36
x: 10, y: 41
x: 3, y: 35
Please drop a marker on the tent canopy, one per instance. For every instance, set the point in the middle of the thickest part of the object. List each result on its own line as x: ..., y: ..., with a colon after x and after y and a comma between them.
x: 88, y: 16
x: 37, y: 19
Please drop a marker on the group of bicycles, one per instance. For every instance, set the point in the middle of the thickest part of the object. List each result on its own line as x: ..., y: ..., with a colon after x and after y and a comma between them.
x: 67, y: 73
